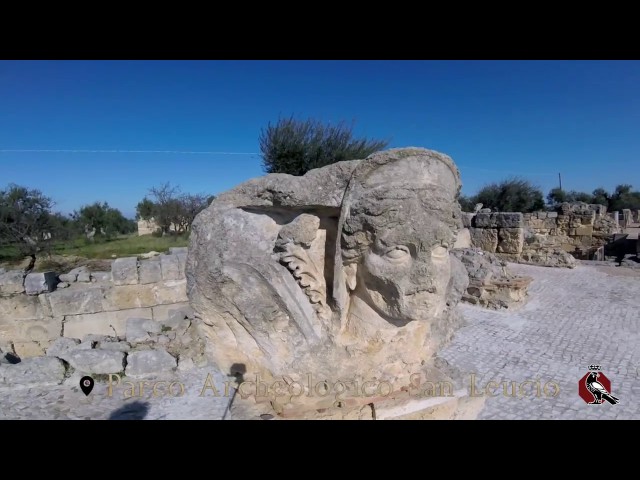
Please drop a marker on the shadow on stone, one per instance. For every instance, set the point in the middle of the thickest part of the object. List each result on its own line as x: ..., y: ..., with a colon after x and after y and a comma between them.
x: 11, y: 358
x: 131, y: 411
x: 238, y: 370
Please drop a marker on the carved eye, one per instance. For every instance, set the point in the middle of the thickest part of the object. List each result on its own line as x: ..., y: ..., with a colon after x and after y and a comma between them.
x: 439, y: 252
x: 397, y: 253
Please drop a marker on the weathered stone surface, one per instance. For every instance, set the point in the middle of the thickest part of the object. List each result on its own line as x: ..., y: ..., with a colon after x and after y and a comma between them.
x: 178, y: 250
x: 129, y: 296
x: 162, y: 312
x: 78, y: 270
x: 11, y: 282
x: 483, y: 220
x: 124, y: 271
x: 29, y: 349
x: 95, y: 361
x: 62, y: 346
x: 20, y: 307
x: 103, y: 323
x: 498, y: 220
x: 138, y: 329
x: 491, y: 285
x: 463, y: 240
x: 44, y: 330
x: 63, y: 285
x: 33, y: 371
x: 68, y: 277
x: 172, y: 267
x: 510, y: 240
x: 36, y: 283
x: 150, y: 362
x: 150, y: 271
x: 172, y: 291
x: 84, y: 277
x: 467, y: 219
x: 548, y: 258
x: 484, y: 238
x: 585, y: 230
x: 508, y: 219
x: 115, y: 346
x: 73, y: 302
x: 256, y: 277
x: 85, y: 345
x: 100, y: 276
x: 94, y: 338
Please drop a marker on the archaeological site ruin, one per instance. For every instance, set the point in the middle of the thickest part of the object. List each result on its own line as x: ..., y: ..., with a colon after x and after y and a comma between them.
x: 338, y: 294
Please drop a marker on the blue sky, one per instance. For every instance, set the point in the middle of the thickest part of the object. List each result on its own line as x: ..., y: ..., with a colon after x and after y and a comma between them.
x: 496, y: 119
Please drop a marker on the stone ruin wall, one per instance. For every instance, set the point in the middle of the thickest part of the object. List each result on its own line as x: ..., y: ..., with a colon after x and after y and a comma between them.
x: 542, y: 238
x: 32, y: 316
x: 576, y: 227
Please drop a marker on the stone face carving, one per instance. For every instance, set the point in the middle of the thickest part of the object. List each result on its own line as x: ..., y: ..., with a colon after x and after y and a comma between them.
x: 343, y: 273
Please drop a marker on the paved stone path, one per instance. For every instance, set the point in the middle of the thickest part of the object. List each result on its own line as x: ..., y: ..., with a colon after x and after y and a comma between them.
x: 573, y: 318
x: 66, y: 401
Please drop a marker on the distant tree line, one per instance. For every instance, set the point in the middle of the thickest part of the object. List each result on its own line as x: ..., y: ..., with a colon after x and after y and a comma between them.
x: 171, y: 210
x: 519, y: 195
x: 29, y: 225
x: 622, y: 197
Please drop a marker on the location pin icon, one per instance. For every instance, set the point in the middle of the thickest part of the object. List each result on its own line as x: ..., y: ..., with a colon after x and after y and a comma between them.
x: 86, y: 385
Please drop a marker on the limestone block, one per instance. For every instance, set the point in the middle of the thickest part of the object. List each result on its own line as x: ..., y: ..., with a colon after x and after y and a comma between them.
x: 29, y: 349
x: 45, y: 330
x: 162, y: 312
x: 484, y: 238
x: 123, y: 297
x: 584, y: 230
x: 178, y: 250
x: 77, y: 326
x: 20, y: 307
x: 507, y: 220
x: 172, y: 267
x: 150, y: 362
x: 61, y: 346
x: 100, y: 276
x: 11, y: 282
x: 73, y: 302
x: 96, y: 361
x: 33, y: 371
x: 36, y: 283
x: 150, y: 271
x: 463, y: 240
x: 483, y: 220
x: 124, y: 271
x: 174, y: 291
x: 138, y: 329
x: 84, y: 277
x: 511, y: 240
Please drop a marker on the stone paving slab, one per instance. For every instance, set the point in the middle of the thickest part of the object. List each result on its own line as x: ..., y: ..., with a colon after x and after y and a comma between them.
x: 67, y: 402
x: 574, y: 318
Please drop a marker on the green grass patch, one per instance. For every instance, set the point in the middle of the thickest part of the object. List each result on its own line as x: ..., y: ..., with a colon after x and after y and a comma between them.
x: 122, y: 246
